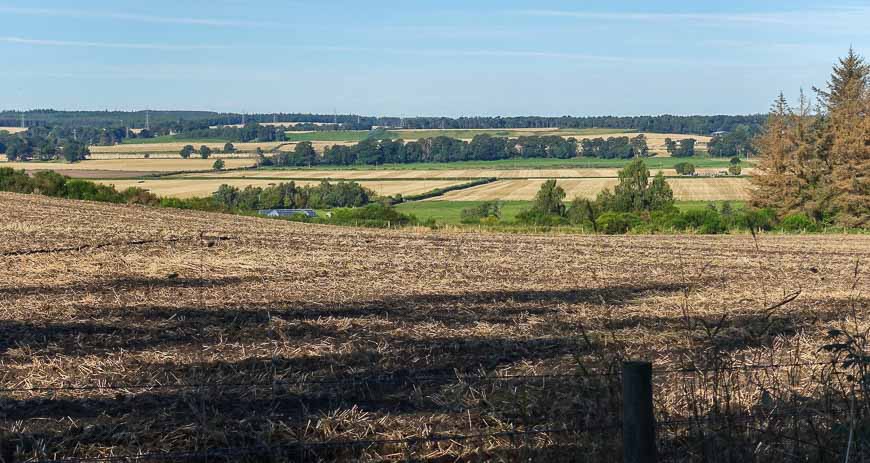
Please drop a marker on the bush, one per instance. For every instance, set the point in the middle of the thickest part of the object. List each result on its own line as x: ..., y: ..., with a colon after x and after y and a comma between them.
x: 798, y: 223
x: 705, y: 221
x: 735, y: 170
x: 615, y: 223
x: 756, y: 219
x: 538, y: 218
x: 667, y: 221
x: 90, y: 191
x: 218, y: 164
x: 135, y: 195
x: 483, y: 212
x: 685, y: 168
x: 373, y: 215
x: 49, y: 183
x: 15, y: 181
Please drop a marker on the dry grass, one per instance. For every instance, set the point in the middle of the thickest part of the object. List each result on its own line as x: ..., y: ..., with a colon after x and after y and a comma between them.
x: 276, y: 302
x: 111, y: 167
x: 175, y: 147
x: 688, y: 189
x: 186, y: 188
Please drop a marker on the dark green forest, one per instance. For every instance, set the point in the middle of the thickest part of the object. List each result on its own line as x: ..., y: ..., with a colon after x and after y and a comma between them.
x: 162, y: 122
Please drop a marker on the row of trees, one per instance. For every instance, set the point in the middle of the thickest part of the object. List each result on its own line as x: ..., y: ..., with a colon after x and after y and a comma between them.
x: 615, y: 147
x: 482, y: 147
x: 29, y: 146
x: 739, y: 142
x: 291, y: 196
x: 680, y: 149
x: 817, y: 161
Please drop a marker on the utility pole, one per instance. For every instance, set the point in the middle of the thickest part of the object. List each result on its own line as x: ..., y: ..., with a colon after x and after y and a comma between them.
x: 22, y: 119
x: 148, y: 120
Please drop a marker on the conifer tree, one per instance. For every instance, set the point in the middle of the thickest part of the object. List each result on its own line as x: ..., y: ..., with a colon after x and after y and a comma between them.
x: 820, y: 164
x: 847, y: 103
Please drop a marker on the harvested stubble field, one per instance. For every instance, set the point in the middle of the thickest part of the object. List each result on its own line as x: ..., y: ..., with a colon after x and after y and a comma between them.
x: 159, y: 330
x: 188, y: 188
x: 175, y: 147
x: 118, y: 167
x: 685, y: 189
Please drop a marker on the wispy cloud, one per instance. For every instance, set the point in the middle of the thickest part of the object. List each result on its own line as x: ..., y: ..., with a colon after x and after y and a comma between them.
x: 146, y: 18
x: 832, y: 16
x: 455, y: 53
x: 337, y: 49
x: 121, y: 45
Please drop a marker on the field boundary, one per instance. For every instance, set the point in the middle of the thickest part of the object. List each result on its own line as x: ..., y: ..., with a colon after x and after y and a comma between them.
x: 442, y: 191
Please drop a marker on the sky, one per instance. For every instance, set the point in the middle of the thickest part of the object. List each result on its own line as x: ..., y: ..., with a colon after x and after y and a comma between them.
x: 422, y: 58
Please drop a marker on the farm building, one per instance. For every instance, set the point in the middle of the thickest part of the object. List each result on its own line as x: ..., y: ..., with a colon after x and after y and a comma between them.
x: 287, y: 212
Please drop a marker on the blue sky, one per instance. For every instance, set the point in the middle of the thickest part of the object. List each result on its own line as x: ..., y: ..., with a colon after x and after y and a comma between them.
x: 445, y: 57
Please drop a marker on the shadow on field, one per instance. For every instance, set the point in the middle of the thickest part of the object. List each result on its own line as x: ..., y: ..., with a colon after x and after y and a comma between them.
x: 100, y: 330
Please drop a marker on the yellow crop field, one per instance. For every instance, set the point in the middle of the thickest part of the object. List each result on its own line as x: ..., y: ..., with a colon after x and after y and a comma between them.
x: 13, y: 129
x: 689, y: 189
x: 186, y: 188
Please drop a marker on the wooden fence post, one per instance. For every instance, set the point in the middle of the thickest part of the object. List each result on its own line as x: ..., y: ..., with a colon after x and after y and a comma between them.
x: 638, y: 421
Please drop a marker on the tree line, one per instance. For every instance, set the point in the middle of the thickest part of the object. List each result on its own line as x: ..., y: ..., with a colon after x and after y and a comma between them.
x: 482, y: 147
x: 815, y: 158
x: 163, y: 122
x: 47, y: 147
x: 291, y: 196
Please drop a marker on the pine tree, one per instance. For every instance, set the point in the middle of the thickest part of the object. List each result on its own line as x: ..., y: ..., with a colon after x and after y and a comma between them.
x: 820, y: 165
x: 774, y: 180
x: 847, y: 103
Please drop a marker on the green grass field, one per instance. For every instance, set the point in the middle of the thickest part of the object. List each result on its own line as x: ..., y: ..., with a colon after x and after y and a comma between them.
x: 449, y: 212
x: 168, y: 139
